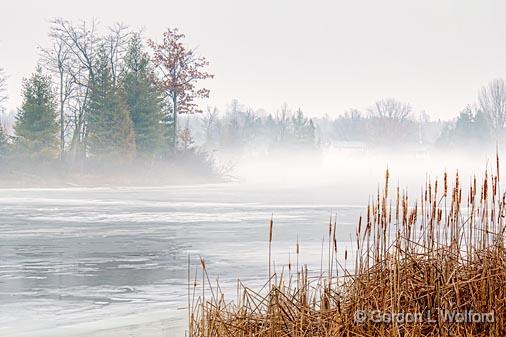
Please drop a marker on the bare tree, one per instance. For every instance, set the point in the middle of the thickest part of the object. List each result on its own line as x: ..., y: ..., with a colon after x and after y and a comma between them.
x: 353, y: 114
x: 282, y: 120
x: 81, y: 44
x: 388, y: 121
x: 57, y: 59
x: 492, y: 102
x: 209, y: 119
x: 116, y: 45
x: 350, y: 126
x: 3, y: 89
x: 391, y: 109
x: 3, y: 98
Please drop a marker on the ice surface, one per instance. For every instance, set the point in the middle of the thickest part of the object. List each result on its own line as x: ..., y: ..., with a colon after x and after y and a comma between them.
x: 113, y: 261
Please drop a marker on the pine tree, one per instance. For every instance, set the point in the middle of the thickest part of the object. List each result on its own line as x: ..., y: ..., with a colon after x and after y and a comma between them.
x: 145, y: 101
x: 36, y: 125
x: 110, y: 131
x: 303, y: 129
x: 4, y: 142
x: 4, y: 138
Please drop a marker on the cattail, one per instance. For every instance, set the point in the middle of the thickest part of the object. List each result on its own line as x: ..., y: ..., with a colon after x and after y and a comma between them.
x: 485, y: 187
x: 474, y: 184
x: 334, y: 239
x: 445, y: 184
x: 397, y: 205
x: 387, y: 176
x: 358, y: 231
x: 297, y: 252
x: 497, y: 161
x: 452, y: 262
x: 271, y: 222
x: 330, y: 226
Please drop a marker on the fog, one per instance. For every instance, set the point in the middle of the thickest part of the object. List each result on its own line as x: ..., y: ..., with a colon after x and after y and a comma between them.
x: 110, y: 259
x: 138, y: 138
x: 98, y: 247
x: 351, y: 176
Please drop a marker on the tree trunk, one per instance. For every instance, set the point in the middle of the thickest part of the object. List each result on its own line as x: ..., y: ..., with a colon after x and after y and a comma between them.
x: 62, y: 122
x: 174, y: 106
x: 76, y: 142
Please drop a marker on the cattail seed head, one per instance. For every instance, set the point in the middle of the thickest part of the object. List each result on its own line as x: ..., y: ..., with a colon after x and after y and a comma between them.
x: 271, y: 223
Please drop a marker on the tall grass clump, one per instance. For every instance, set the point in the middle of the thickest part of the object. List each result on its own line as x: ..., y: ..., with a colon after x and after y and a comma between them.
x: 433, y: 266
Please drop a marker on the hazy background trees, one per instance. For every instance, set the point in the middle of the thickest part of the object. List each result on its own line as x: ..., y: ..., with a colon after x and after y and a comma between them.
x: 390, y: 122
x: 109, y: 96
x: 471, y: 129
x: 492, y: 103
x: 4, y: 137
x: 239, y: 129
x: 3, y: 96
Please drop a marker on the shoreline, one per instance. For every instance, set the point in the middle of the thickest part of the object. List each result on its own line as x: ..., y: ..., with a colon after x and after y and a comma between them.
x: 29, y: 181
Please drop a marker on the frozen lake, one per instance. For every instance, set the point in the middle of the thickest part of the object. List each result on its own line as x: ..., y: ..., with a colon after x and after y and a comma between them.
x: 113, y: 261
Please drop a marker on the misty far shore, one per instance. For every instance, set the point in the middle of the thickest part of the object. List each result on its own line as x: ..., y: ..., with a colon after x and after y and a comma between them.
x: 111, y: 106
x: 321, y: 168
x: 33, y: 174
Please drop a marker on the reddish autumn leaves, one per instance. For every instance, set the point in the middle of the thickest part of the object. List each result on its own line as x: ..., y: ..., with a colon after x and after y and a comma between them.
x: 179, y: 70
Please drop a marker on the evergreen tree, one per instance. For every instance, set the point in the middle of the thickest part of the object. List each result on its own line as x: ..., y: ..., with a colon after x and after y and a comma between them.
x: 110, y: 131
x: 36, y: 125
x: 4, y: 142
x: 3, y: 96
x: 470, y: 129
x: 144, y: 99
x: 4, y: 138
x: 482, y: 126
x: 464, y: 126
x: 303, y: 129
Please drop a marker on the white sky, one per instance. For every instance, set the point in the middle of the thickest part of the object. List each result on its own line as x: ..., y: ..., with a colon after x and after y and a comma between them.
x: 324, y: 56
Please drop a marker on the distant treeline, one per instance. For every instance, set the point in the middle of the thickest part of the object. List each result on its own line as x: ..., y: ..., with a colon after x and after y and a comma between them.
x: 117, y: 97
x: 388, y: 123
x: 392, y: 123
x: 240, y: 128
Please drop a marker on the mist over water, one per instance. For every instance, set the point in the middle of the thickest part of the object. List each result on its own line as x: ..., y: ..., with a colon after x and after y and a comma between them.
x: 85, y: 261
x: 350, y: 176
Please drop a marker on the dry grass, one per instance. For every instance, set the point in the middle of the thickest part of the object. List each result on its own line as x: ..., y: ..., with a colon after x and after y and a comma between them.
x: 442, y: 253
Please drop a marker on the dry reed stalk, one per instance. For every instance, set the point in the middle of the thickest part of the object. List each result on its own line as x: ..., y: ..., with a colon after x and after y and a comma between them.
x: 438, y: 254
x: 271, y: 223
